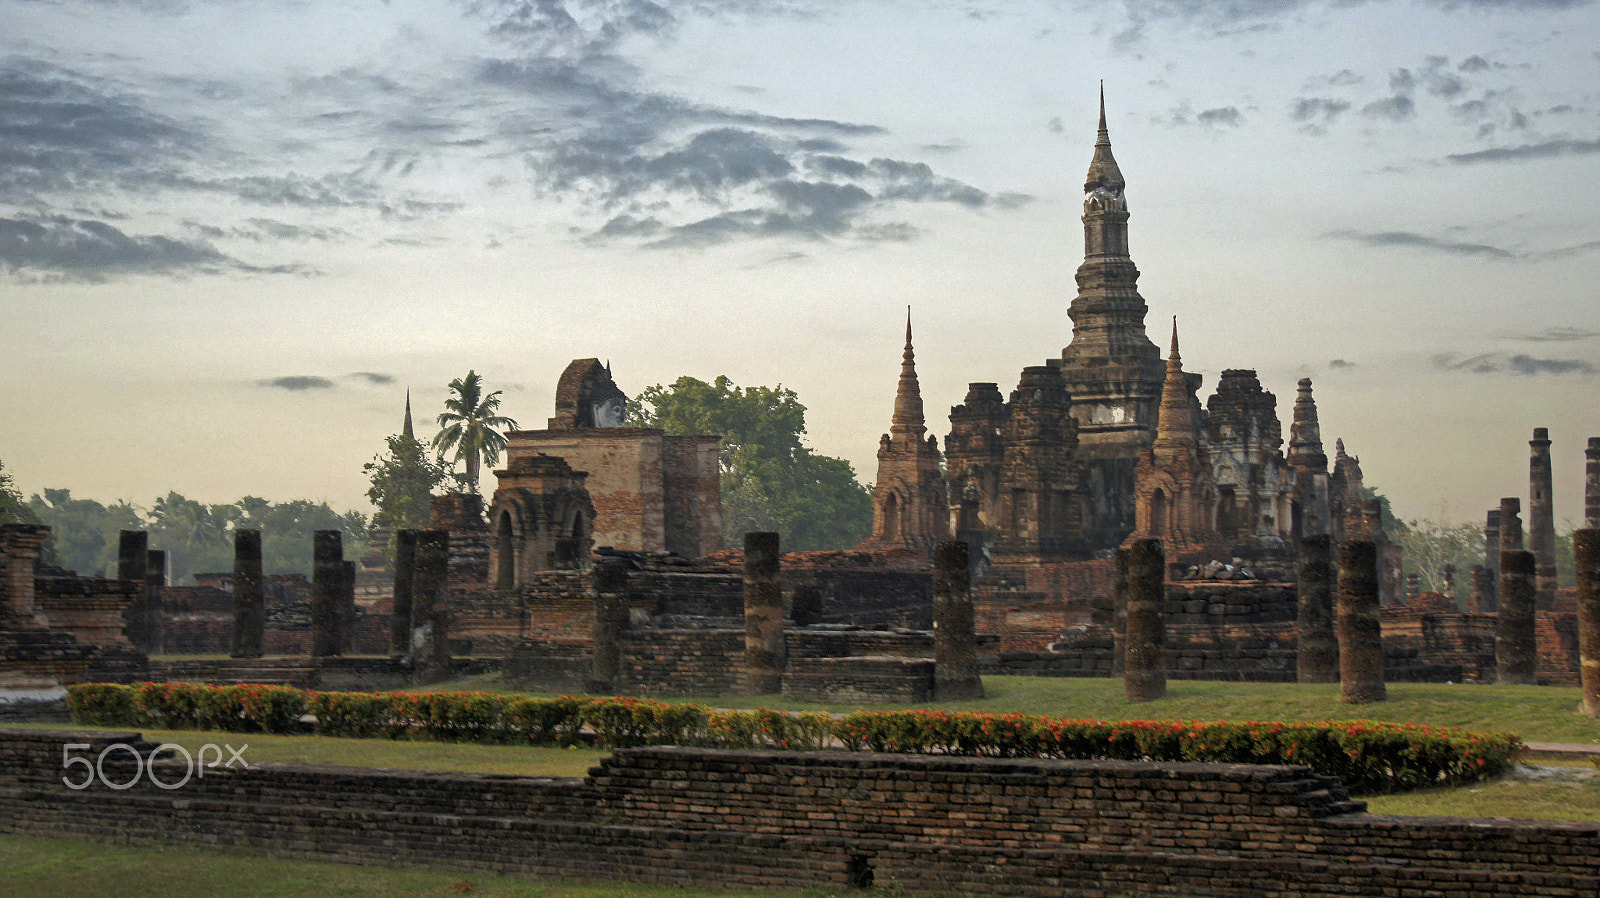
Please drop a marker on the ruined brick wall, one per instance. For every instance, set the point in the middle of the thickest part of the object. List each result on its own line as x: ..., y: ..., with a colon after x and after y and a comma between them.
x: 624, y: 484
x: 681, y: 662
x: 822, y: 820
x: 88, y: 608
x: 872, y: 679
x: 1556, y: 635
x: 560, y: 605
x: 691, y: 486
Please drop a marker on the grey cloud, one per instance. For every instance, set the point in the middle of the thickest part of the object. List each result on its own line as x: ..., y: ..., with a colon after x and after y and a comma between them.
x: 1522, y: 364
x: 1228, y: 116
x: 372, y: 377
x: 1474, y: 63
x: 1418, y: 241
x: 86, y: 250
x: 1338, y: 364
x: 1055, y: 125
x: 1396, y: 108
x: 1556, y: 335
x: 297, y: 383
x: 1317, y: 112
x: 1525, y: 365
x: 1543, y: 150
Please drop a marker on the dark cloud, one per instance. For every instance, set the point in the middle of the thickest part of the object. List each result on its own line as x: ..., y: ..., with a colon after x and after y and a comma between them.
x: 1525, y: 152
x: 1474, y: 64
x: 1316, y: 113
x: 1556, y: 335
x: 1055, y: 125
x: 298, y: 383
x: 1339, y: 364
x: 1522, y: 364
x: 1525, y: 365
x: 87, y: 250
x: 1225, y: 116
x: 1397, y: 108
x: 372, y: 377
x: 1418, y: 241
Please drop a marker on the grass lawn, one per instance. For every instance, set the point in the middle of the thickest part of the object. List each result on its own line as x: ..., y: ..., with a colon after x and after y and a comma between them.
x: 73, y: 867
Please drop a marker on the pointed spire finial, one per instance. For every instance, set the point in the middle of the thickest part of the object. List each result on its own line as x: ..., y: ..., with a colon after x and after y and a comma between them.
x: 908, y: 327
x: 406, y: 428
x: 1175, y: 337
x: 1103, y: 170
x: 1104, y: 134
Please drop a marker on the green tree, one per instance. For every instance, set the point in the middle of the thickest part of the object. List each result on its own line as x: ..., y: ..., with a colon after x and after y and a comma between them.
x: 770, y: 479
x: 195, y: 536
x: 403, y: 480
x: 12, y: 509
x: 469, y: 425
x: 83, y: 533
x: 288, y: 528
x: 1431, y: 546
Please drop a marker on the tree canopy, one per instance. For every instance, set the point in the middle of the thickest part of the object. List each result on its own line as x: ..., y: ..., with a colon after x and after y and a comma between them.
x: 770, y: 479
x: 403, y: 480
x: 470, y: 426
x: 197, y: 538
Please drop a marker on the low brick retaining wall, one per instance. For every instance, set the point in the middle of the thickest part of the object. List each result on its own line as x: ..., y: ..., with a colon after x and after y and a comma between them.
x: 831, y: 819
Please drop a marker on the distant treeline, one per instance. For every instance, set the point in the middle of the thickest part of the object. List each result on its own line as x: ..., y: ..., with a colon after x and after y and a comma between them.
x: 197, y: 538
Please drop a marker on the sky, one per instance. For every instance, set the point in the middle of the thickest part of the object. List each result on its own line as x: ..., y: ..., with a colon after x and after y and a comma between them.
x: 234, y: 233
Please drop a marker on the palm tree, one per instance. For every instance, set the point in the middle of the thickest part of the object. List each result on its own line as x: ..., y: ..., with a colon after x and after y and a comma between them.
x: 470, y: 426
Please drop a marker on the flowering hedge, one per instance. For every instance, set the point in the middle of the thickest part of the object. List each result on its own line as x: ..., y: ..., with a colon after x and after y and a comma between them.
x: 1368, y: 756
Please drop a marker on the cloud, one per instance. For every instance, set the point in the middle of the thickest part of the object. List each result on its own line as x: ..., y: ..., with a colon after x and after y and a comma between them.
x: 1341, y: 364
x: 1397, y: 108
x: 372, y: 377
x: 86, y: 250
x: 1523, y: 365
x: 1316, y: 113
x: 1543, y: 150
x: 1226, y: 116
x: 1556, y: 335
x: 1527, y: 365
x: 1418, y: 241
x: 298, y: 383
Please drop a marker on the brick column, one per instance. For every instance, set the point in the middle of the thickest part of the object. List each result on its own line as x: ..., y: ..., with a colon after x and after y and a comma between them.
x: 610, y: 577
x: 1119, y: 615
x: 1510, y: 526
x: 19, y: 550
x: 1542, y: 519
x: 1360, y: 625
x: 155, y: 617
x: 1516, y: 652
x: 1317, y: 644
x: 347, y: 607
x: 1591, y: 485
x: 1586, y: 554
x: 249, y: 601
x: 428, y: 595
x: 955, y: 640
x: 1491, y: 561
x: 1482, y: 589
x: 405, y: 568
x: 327, y: 578
x: 133, y: 563
x: 765, y: 653
x: 1146, y: 647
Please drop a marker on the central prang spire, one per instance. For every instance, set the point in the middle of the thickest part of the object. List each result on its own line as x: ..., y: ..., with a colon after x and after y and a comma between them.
x: 908, y: 416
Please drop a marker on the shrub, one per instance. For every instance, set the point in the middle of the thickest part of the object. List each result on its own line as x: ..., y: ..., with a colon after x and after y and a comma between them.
x: 546, y: 721
x: 103, y: 704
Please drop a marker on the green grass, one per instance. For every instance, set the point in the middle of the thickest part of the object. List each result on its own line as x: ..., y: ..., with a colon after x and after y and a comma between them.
x: 72, y: 867
x: 1572, y: 794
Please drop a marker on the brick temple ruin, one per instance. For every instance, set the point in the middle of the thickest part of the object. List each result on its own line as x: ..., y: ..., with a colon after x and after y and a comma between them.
x: 1094, y: 451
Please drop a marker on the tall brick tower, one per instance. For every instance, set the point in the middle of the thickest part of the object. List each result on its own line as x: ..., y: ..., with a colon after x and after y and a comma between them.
x: 1112, y: 370
x: 909, y: 510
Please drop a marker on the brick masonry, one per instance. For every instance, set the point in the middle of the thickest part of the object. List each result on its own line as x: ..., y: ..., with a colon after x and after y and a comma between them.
x: 700, y: 817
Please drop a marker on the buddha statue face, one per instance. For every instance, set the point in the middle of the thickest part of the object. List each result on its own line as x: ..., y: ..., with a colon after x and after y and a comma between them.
x: 609, y: 412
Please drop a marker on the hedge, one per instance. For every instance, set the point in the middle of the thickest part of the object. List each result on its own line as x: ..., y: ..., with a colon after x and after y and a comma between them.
x: 1369, y: 757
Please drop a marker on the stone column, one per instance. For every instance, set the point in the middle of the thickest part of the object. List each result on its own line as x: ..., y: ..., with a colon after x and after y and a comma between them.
x: 405, y: 567
x: 1491, y: 561
x: 133, y: 563
x: 1119, y: 615
x: 1542, y: 519
x: 610, y: 620
x: 1591, y: 485
x: 249, y: 601
x: 1482, y: 589
x: 1586, y: 554
x: 765, y: 653
x: 1516, y: 650
x: 327, y: 578
x: 1360, y: 625
x: 155, y: 616
x: 955, y: 640
x: 347, y: 608
x: 1317, y: 644
x: 428, y: 593
x: 1510, y: 525
x: 1146, y: 652
x: 20, y: 545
